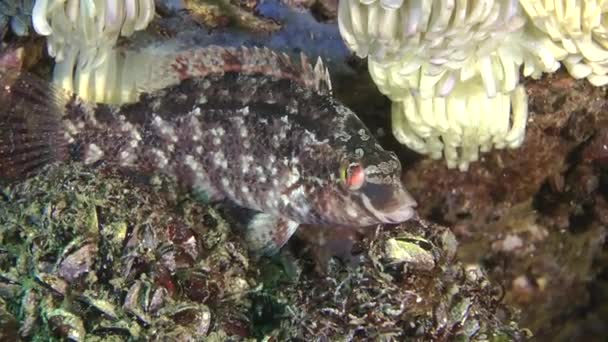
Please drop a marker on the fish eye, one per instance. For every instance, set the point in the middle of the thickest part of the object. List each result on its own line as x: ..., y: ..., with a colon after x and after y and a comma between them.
x: 353, y: 176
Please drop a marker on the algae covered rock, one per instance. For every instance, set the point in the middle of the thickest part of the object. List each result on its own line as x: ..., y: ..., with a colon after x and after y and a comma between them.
x: 88, y: 255
x: 407, y: 285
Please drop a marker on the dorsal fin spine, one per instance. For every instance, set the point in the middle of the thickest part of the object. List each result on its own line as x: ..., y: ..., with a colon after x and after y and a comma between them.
x: 216, y: 60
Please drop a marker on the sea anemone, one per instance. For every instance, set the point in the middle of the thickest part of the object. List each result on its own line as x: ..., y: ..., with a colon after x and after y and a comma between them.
x: 81, y: 36
x: 577, y: 32
x: 452, y: 68
x: 115, y: 80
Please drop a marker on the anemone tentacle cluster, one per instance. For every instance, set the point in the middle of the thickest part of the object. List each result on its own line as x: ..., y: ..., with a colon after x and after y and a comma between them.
x: 81, y: 35
x: 576, y: 32
x: 452, y: 67
x: 116, y: 80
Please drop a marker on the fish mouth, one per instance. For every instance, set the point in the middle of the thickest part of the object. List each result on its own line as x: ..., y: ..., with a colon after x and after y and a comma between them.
x: 400, y: 214
x: 399, y: 209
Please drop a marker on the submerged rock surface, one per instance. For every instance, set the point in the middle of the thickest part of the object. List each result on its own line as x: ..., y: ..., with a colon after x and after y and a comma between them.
x: 91, y: 255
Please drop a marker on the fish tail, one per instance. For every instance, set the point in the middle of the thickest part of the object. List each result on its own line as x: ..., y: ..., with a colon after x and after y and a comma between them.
x: 31, y: 130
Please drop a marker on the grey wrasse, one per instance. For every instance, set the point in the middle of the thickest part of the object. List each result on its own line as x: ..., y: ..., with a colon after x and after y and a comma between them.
x: 246, y: 125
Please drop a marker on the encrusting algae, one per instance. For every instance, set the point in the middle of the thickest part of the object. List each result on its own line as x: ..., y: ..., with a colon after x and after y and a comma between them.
x: 90, y: 256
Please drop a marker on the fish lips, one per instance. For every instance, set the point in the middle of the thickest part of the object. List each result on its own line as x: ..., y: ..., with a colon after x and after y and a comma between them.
x: 399, y: 208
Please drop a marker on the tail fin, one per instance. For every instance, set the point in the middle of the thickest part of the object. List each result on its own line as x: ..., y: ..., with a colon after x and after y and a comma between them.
x: 31, y: 130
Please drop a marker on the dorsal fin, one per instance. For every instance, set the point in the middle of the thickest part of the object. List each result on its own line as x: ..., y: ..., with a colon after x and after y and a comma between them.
x: 215, y: 60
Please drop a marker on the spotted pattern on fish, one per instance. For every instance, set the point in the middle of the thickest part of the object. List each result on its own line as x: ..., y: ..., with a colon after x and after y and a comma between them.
x: 267, y: 135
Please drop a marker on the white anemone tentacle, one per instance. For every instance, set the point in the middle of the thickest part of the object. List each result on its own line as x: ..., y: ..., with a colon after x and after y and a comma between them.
x: 451, y: 67
x: 81, y: 35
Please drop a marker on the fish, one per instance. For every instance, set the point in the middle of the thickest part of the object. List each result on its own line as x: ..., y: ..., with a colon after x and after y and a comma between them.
x: 251, y: 126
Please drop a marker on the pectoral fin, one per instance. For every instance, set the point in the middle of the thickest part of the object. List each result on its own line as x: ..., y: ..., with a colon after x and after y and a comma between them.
x: 267, y: 233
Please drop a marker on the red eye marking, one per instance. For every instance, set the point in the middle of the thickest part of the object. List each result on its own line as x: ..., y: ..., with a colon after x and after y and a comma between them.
x: 355, y: 176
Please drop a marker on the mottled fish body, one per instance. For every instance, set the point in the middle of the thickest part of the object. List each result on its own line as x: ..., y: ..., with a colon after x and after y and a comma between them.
x: 247, y: 125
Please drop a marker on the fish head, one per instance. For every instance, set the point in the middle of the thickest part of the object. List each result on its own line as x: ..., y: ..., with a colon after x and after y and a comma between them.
x: 367, y: 190
x: 360, y: 180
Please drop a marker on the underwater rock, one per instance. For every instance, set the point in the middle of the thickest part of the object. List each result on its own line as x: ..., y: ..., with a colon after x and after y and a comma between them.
x: 533, y: 217
x: 15, y: 15
x: 534, y: 214
x: 109, y: 260
x: 221, y: 13
x: 322, y: 10
x: 427, y: 295
x: 563, y: 115
x: 138, y: 265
